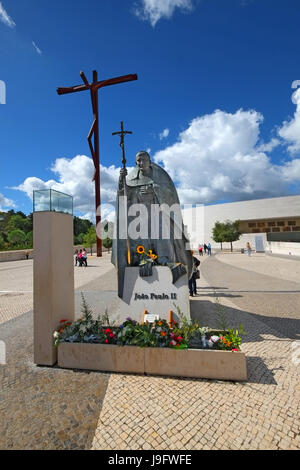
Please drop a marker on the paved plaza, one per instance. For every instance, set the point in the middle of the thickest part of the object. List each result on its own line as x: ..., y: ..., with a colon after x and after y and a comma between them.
x: 52, y: 408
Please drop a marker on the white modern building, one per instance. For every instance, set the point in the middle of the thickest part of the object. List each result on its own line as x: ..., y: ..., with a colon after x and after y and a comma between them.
x: 267, y: 224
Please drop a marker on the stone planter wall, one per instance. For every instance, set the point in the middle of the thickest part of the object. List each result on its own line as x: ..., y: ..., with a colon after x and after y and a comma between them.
x: 197, y: 363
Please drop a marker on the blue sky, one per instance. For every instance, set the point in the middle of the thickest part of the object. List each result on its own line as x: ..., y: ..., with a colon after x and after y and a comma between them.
x: 213, y: 99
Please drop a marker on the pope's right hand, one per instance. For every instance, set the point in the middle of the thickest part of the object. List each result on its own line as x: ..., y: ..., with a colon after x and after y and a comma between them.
x: 123, y: 172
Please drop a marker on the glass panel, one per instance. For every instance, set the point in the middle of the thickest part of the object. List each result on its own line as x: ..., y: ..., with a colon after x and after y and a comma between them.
x: 51, y: 200
x: 41, y: 200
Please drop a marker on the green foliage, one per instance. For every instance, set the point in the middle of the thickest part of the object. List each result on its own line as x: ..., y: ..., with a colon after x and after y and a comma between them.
x: 232, y: 232
x: 79, y: 239
x: 107, y: 242
x: 222, y: 323
x: 232, y: 339
x: 81, y: 226
x: 134, y: 334
x: 11, y: 221
x: 226, y: 232
x: 87, y: 313
x: 219, y: 233
x: 85, y: 329
x: 16, y: 238
x: 2, y: 243
x: 29, y: 239
x: 19, y: 222
x: 131, y: 333
x: 186, y: 327
x: 90, y: 238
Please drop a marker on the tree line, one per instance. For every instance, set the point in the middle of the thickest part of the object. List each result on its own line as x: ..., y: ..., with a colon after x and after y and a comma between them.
x: 16, y: 231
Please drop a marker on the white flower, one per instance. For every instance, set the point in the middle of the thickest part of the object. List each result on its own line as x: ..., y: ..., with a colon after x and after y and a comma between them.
x: 214, y: 339
x: 56, y: 334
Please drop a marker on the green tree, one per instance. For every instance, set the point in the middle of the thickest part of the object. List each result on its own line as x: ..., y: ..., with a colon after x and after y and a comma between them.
x: 232, y: 232
x: 2, y: 242
x: 219, y: 233
x: 79, y: 239
x: 29, y: 239
x: 81, y: 226
x: 19, y: 222
x: 16, y: 238
x: 90, y: 238
x: 107, y: 243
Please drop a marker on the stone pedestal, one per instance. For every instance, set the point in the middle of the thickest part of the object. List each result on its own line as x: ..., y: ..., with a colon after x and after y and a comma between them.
x: 156, y: 294
x: 53, y: 280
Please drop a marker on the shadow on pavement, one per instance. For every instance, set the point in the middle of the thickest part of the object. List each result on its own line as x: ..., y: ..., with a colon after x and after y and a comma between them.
x: 207, y: 313
x: 258, y: 372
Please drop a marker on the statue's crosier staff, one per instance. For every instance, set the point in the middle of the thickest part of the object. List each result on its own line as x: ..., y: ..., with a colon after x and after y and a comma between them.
x: 94, y: 87
x: 124, y: 207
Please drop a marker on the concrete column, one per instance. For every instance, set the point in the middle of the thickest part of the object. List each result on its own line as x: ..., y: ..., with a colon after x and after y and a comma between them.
x: 53, y: 280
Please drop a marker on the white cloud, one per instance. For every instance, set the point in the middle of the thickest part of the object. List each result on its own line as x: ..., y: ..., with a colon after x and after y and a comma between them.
x: 38, y: 50
x: 5, y: 18
x: 164, y: 134
x: 154, y: 10
x: 74, y: 177
x: 269, y: 146
x: 5, y: 203
x: 217, y: 158
x: 290, y: 130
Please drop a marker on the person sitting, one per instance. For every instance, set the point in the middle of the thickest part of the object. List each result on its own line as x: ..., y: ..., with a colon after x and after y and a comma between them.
x: 79, y: 258
x: 84, y: 257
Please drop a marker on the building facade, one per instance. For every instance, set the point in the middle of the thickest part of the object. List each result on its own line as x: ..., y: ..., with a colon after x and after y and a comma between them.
x: 262, y: 222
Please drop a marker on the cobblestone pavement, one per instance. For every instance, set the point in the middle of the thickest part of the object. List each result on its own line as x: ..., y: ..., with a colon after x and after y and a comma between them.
x: 44, y: 407
x: 166, y: 413
x: 287, y: 269
x: 50, y: 408
x: 16, y: 283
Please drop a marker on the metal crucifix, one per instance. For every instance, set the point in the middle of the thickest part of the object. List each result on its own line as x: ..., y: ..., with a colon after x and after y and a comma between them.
x: 122, y: 210
x: 94, y: 131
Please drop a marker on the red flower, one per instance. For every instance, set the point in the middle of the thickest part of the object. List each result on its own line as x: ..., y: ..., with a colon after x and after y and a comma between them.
x: 63, y: 321
x: 107, y: 331
x: 111, y: 335
x: 106, y: 341
x: 234, y: 349
x: 179, y: 338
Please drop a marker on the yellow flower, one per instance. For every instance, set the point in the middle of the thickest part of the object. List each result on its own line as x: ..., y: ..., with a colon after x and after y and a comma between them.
x: 152, y: 255
x: 140, y: 249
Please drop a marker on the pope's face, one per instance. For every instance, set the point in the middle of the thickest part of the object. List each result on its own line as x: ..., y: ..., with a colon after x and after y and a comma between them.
x: 143, y: 163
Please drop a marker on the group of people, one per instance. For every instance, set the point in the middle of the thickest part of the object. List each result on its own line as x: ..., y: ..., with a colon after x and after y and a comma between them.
x: 80, y: 257
x: 205, y: 248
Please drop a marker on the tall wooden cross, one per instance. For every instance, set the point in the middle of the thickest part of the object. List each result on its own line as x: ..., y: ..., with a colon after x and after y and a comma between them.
x: 94, y: 131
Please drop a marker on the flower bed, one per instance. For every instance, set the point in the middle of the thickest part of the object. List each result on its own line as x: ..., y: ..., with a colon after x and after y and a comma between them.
x: 160, y: 348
